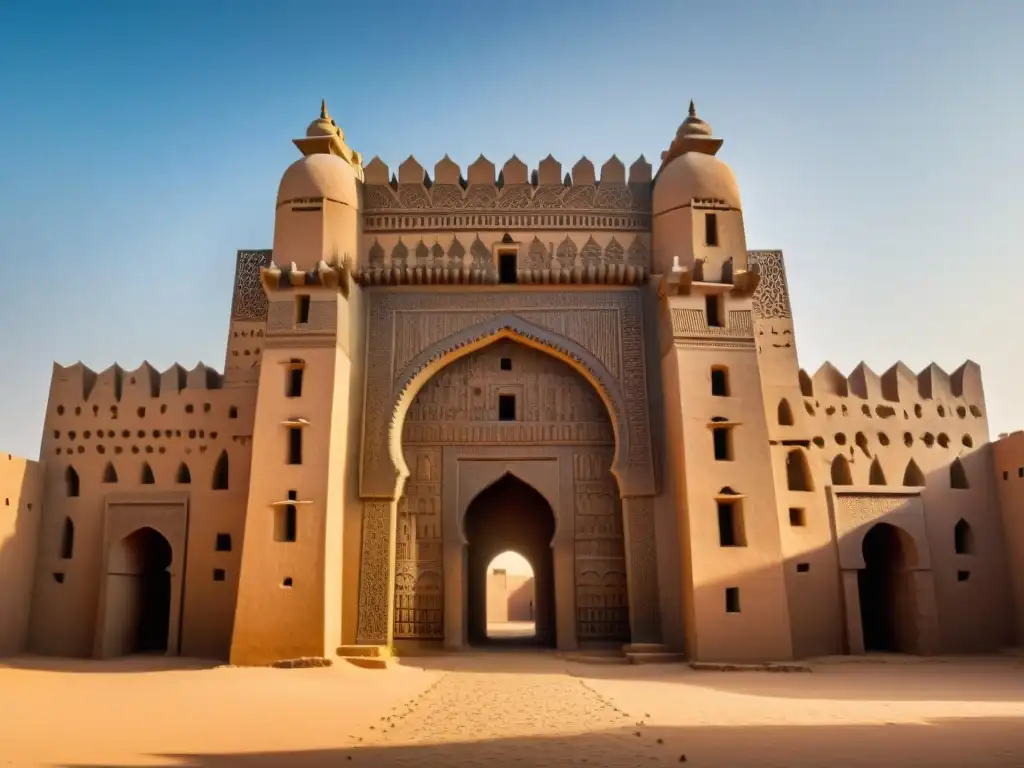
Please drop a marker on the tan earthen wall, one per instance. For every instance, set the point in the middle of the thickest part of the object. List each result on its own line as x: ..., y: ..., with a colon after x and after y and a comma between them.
x: 1008, y: 459
x: 20, y: 513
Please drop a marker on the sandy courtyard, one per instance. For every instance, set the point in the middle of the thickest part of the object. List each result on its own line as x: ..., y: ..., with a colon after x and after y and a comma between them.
x: 510, y: 708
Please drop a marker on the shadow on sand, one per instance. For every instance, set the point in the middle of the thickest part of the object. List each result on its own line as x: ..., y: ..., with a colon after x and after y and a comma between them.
x: 121, y: 665
x: 947, y: 743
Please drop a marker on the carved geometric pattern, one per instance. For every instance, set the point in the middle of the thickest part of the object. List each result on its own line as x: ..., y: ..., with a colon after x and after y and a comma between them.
x: 691, y: 322
x: 249, y: 301
x: 771, y: 298
x: 602, y: 594
x: 374, y: 574
x: 419, y: 568
x: 446, y: 197
x: 643, y: 570
x: 429, y: 327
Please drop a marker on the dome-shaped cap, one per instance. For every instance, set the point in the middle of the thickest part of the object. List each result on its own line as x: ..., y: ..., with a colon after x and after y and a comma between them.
x: 319, y: 175
x: 324, y: 125
x: 690, y: 169
x: 694, y: 175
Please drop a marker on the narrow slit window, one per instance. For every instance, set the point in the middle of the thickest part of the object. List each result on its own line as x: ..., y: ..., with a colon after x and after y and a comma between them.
x: 713, y: 308
x: 301, y: 309
x: 730, y: 524
x: 294, y: 445
x: 506, y: 407
x: 722, y: 437
x: 286, y: 521
x: 711, y: 229
x: 294, y: 383
x: 67, y: 540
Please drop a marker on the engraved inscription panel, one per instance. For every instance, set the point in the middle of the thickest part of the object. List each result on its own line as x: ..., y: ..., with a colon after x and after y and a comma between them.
x: 602, y: 598
x: 419, y: 607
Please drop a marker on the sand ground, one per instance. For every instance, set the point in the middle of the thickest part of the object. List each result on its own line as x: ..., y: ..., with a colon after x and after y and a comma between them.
x: 510, y: 708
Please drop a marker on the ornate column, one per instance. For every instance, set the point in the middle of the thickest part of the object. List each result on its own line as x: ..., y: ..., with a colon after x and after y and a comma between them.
x: 377, y: 573
x: 641, y: 570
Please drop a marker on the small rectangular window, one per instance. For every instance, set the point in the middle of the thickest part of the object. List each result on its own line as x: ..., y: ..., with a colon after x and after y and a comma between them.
x: 301, y: 309
x: 506, y: 363
x: 506, y: 407
x: 730, y: 525
x: 1020, y: 472
x: 219, y: 574
x: 713, y: 308
x: 722, y: 437
x: 732, y: 599
x: 223, y: 542
x: 1006, y: 475
x: 294, y: 445
x: 507, y: 268
x: 294, y: 386
x: 797, y: 517
x: 803, y: 567
x: 719, y: 382
x: 711, y: 229
x: 963, y: 575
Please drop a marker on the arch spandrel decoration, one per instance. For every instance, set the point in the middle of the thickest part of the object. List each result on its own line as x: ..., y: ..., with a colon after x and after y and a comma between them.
x: 412, y: 335
x: 857, y: 513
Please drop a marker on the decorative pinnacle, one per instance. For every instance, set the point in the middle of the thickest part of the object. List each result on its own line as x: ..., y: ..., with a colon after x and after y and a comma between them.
x: 325, y: 116
x: 693, y: 109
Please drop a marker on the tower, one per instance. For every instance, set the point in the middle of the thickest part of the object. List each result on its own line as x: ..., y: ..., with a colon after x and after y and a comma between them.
x: 717, y: 435
x: 289, y: 597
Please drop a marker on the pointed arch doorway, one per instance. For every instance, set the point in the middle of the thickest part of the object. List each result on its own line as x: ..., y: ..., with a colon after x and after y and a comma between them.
x: 510, y: 515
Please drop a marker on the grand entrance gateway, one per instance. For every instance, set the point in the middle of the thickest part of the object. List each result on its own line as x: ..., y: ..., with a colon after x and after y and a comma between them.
x: 583, y: 364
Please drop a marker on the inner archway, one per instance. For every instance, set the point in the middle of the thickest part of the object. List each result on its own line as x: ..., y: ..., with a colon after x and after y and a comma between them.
x: 139, y: 593
x: 886, y: 599
x: 511, y: 597
x: 510, y: 515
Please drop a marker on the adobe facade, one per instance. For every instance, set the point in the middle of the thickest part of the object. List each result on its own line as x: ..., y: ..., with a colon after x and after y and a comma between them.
x: 587, y: 367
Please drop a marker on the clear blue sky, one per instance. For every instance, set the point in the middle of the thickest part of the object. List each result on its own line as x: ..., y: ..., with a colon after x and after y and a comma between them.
x: 880, y: 145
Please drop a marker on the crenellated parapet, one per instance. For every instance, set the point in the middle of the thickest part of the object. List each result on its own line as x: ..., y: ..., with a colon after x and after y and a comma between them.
x: 515, y: 199
x: 899, y: 384
x: 335, y: 273
x: 78, y: 384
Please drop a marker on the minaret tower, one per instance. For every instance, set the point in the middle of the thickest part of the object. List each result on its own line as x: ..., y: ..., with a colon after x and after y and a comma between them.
x: 717, y: 437
x: 289, y: 595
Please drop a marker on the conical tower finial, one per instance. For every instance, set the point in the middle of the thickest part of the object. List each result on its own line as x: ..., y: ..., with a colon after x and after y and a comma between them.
x: 325, y: 116
x: 693, y: 109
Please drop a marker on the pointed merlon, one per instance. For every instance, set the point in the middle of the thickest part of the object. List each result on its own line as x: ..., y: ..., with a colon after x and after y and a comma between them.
x: 693, y: 109
x: 325, y: 116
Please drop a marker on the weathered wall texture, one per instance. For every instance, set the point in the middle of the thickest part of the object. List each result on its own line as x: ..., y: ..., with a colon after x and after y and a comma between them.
x: 20, y: 497
x: 1008, y: 458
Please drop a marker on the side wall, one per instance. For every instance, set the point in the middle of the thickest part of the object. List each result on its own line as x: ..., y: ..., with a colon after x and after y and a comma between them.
x: 21, y: 500
x: 1008, y: 458
x: 145, y: 433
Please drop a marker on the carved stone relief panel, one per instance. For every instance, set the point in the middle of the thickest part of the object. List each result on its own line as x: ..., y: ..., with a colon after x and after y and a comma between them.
x: 771, y: 299
x: 375, y: 573
x: 601, y: 331
x: 249, y: 302
x: 540, y: 251
x: 553, y: 405
x: 857, y: 513
x: 602, y: 597
x: 419, y: 573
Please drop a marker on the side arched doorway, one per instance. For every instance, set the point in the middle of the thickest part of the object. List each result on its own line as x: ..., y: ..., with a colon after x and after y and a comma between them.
x: 510, y: 515
x: 138, y: 595
x: 885, y: 591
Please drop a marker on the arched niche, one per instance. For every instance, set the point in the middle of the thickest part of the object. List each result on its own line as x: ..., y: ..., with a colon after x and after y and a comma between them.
x: 633, y: 477
x: 541, y: 476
